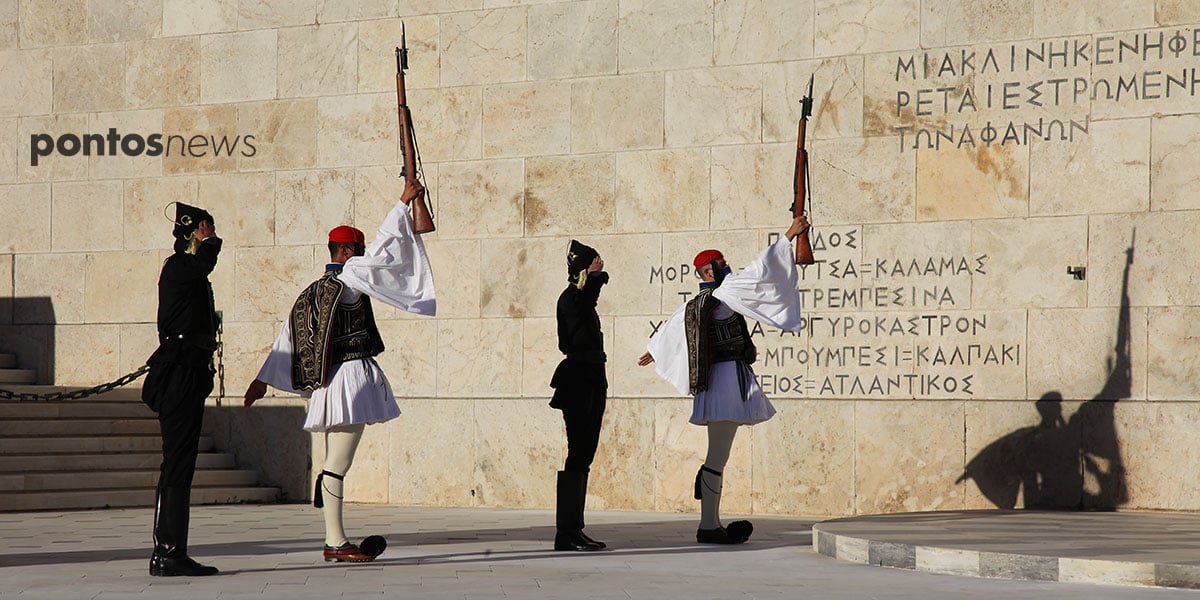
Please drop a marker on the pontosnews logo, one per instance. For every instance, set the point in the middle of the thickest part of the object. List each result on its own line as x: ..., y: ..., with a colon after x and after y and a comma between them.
x: 114, y: 143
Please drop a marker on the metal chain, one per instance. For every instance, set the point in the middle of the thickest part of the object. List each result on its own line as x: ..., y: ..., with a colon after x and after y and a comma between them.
x: 77, y: 394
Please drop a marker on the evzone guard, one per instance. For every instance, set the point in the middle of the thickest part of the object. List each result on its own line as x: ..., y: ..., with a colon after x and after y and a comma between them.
x: 704, y: 350
x: 326, y: 348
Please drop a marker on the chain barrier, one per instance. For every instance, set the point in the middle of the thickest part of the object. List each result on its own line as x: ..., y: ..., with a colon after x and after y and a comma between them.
x: 76, y: 394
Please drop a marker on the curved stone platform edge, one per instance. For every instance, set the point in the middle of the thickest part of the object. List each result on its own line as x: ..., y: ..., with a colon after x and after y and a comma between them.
x: 1000, y: 565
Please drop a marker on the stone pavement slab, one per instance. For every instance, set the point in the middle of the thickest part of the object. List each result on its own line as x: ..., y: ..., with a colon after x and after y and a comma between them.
x: 273, y: 551
x: 1125, y: 548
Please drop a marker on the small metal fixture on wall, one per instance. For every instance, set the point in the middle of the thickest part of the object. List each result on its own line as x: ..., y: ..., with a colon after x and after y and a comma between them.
x: 1079, y: 273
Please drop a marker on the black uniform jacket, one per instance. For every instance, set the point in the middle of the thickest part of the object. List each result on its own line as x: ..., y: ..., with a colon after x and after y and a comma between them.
x: 187, y: 318
x: 580, y: 339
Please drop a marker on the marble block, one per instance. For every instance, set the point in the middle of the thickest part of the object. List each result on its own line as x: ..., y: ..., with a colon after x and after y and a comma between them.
x: 678, y: 453
x: 522, y: 119
x: 663, y: 190
x: 617, y: 113
x: 199, y: 139
x: 486, y: 46
x: 908, y: 456
x: 1171, y: 367
x: 329, y: 11
x: 163, y: 72
x: 124, y: 20
x: 714, y: 106
x: 377, y: 43
x: 1023, y: 454
x: 539, y: 356
x: 481, y: 198
x: 573, y: 39
x: 138, y: 341
x: 121, y: 287
x: 27, y: 78
x: 1107, y: 171
x: 432, y: 453
x: 236, y: 67
x: 1064, y: 17
x: 1080, y: 354
x: 657, y: 36
x: 8, y: 151
x: 266, y: 14
x: 447, y: 123
x: 310, y: 203
x: 318, y: 60
x: 837, y: 99
x: 750, y: 31
x: 52, y: 23
x: 86, y: 216
x: 58, y: 277
x: 191, y: 17
x: 871, y: 183
x: 1176, y: 12
x: 457, y: 276
x: 954, y: 22
x: 6, y: 289
x: 628, y: 260
x: 1160, y: 244
x: 571, y: 195
x: 974, y: 183
x: 948, y: 561
x: 103, y: 164
x: 269, y: 279
x: 285, y: 134
x: 246, y: 346
x: 804, y: 459
x: 243, y: 205
x: 409, y: 364
x: 9, y: 30
x: 538, y: 263
x: 629, y: 336
x: 86, y: 355
x: 623, y: 475
x: 677, y: 277
x: 357, y: 130
x: 1172, y: 164
x: 865, y: 26
x: 421, y: 7
x: 376, y: 191
x: 1034, y: 274
x: 518, y: 449
x: 83, y: 77
x: 476, y: 358
x: 146, y: 220
x: 25, y: 224
x: 752, y: 186
x: 1133, y: 451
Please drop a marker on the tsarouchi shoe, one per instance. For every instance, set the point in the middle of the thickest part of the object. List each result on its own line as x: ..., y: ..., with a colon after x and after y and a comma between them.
x: 736, y: 533
x: 347, y: 553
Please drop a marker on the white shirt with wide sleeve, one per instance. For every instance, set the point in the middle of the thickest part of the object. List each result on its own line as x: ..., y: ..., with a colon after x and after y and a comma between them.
x: 766, y: 291
x: 394, y: 270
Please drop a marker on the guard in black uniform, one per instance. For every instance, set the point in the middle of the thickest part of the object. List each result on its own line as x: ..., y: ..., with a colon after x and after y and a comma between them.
x: 180, y: 378
x: 580, y: 388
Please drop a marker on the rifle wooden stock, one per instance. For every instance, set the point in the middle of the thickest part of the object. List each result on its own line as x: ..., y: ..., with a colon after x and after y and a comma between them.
x: 804, y: 254
x: 422, y: 218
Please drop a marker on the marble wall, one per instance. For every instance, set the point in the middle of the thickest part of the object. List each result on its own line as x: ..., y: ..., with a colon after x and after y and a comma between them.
x: 964, y: 156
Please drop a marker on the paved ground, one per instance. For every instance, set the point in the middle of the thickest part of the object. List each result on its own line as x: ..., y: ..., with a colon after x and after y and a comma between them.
x: 469, y: 554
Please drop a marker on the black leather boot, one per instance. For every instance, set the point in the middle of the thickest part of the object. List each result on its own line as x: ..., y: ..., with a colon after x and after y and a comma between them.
x: 569, y: 515
x: 171, y: 515
x: 583, y: 482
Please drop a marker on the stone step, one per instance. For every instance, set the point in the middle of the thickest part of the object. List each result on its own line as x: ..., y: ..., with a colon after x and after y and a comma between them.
x: 17, y: 376
x: 113, y: 498
x: 105, y: 462
x: 75, y: 409
x: 8, y: 361
x: 78, y: 427
x: 76, y: 445
x: 38, y: 482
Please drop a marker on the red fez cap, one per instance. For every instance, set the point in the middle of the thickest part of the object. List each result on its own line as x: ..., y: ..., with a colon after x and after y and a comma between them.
x: 707, y: 256
x: 345, y: 234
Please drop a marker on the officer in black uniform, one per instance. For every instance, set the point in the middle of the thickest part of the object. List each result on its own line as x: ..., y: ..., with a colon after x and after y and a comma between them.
x: 580, y: 387
x: 180, y: 378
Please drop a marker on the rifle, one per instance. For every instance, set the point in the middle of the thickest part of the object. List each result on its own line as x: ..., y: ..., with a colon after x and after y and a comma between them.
x: 804, y: 255
x: 422, y: 217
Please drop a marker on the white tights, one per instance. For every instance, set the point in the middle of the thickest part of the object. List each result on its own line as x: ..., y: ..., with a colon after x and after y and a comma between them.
x: 720, y: 442
x: 340, y: 444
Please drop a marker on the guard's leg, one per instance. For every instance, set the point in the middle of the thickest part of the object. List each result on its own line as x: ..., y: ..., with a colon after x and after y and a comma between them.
x: 709, y: 482
x: 340, y: 445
